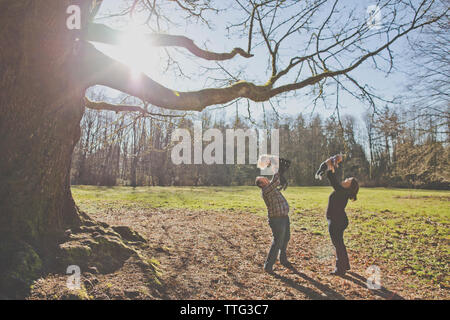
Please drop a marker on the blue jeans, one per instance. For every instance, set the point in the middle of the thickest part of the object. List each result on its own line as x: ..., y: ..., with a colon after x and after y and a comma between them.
x: 336, y: 229
x: 281, y: 234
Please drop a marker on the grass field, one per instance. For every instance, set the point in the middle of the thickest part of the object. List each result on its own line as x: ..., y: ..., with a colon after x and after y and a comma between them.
x: 407, y: 228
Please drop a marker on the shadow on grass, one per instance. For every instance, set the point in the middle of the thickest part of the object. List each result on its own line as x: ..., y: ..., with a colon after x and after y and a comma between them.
x: 327, y: 292
x: 310, y: 293
x: 362, y: 281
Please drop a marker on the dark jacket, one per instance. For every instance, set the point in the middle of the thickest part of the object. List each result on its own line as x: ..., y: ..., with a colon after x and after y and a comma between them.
x: 338, y: 200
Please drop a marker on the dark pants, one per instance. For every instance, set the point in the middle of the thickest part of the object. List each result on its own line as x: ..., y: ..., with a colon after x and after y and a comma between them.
x: 281, y: 234
x: 336, y: 229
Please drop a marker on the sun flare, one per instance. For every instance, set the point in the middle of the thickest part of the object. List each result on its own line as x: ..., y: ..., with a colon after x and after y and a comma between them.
x: 135, y: 51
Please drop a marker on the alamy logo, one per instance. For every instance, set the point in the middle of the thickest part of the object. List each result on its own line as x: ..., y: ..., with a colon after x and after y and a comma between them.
x: 213, y: 152
x: 374, y: 280
x: 73, y: 281
x: 374, y: 17
x: 73, y: 22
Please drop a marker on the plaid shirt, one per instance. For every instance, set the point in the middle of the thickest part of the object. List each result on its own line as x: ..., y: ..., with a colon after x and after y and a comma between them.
x: 277, y: 206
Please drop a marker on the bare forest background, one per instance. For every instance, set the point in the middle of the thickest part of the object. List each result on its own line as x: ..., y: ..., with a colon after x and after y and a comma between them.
x: 385, y: 148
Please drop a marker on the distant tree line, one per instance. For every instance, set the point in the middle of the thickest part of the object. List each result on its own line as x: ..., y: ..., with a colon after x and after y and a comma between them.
x: 387, y: 148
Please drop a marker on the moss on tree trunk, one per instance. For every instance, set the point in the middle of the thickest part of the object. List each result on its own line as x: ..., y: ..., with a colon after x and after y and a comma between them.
x: 41, y: 107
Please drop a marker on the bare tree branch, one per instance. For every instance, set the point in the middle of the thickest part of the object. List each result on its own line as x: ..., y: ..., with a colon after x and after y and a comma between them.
x: 102, y: 70
x: 102, y: 105
x: 102, y: 33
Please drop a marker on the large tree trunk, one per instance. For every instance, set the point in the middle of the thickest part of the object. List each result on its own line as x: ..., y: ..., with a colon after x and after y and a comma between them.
x: 41, y: 107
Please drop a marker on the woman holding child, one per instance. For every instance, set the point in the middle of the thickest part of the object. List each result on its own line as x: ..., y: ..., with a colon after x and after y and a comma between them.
x: 336, y: 215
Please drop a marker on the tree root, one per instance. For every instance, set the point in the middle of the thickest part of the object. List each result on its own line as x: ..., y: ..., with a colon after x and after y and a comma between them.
x: 98, y: 245
x: 95, y: 247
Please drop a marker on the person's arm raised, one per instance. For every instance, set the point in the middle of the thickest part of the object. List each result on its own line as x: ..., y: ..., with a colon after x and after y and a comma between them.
x: 333, y: 181
x: 273, y: 183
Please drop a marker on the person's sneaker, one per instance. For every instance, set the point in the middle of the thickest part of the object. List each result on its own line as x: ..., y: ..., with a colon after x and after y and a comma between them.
x: 285, y: 263
x: 268, y: 269
x: 337, y: 272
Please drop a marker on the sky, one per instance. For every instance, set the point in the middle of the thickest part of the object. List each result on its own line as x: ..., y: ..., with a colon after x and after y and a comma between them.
x: 149, y: 60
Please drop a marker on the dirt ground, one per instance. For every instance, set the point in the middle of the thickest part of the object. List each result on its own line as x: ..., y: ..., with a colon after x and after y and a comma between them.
x: 220, y: 255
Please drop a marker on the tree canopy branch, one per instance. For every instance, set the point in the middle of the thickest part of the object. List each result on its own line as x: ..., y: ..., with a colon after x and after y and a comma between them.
x: 102, y: 33
x: 102, y: 105
x: 99, y: 69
